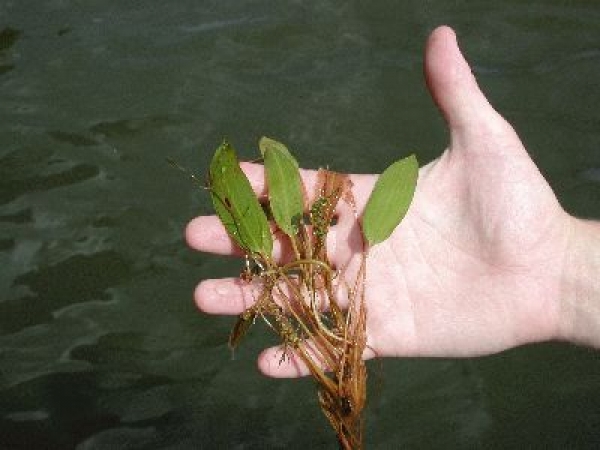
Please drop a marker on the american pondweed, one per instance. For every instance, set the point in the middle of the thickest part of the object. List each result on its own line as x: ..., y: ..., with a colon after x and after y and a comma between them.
x: 318, y: 311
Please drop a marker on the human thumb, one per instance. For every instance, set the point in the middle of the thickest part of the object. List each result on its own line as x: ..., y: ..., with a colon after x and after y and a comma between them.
x: 453, y: 86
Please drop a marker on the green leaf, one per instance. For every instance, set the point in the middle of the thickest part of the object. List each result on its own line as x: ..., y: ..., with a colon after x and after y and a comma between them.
x: 284, y: 185
x: 390, y: 200
x: 236, y: 204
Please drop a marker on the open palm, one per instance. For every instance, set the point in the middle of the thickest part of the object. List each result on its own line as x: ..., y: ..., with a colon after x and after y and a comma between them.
x: 475, y: 266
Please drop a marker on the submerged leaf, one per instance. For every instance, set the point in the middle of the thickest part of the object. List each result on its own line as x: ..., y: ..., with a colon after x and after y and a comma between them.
x: 236, y: 204
x: 329, y: 189
x: 284, y: 185
x: 390, y: 200
x: 241, y: 327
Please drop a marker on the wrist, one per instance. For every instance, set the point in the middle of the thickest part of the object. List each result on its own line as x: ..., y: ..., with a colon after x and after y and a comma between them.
x: 580, y: 302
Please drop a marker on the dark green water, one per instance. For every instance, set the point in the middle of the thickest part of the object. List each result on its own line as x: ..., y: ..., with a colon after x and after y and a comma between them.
x: 100, y: 344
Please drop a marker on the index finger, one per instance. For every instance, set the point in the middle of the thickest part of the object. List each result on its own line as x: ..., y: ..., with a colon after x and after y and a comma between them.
x: 256, y: 176
x: 361, y: 184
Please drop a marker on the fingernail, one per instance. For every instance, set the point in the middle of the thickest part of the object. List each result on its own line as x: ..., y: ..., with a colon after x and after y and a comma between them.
x: 222, y: 290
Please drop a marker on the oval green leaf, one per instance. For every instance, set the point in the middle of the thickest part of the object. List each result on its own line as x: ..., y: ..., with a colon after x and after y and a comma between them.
x: 390, y: 199
x: 284, y: 185
x: 236, y: 204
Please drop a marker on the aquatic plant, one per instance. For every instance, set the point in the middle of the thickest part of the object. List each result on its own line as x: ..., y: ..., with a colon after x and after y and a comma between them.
x: 317, y: 312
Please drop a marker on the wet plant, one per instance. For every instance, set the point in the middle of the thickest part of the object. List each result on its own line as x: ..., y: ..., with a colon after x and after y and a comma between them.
x: 317, y: 311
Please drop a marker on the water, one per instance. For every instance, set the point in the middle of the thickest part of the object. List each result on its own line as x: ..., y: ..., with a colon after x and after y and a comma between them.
x: 100, y: 344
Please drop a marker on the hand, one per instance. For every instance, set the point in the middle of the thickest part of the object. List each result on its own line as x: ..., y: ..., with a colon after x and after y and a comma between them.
x: 477, y: 264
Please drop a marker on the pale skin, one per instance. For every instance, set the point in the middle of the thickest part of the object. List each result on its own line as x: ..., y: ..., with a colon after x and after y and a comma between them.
x: 485, y: 260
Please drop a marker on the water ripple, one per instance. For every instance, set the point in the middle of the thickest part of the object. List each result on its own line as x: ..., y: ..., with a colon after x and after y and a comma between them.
x: 89, y: 277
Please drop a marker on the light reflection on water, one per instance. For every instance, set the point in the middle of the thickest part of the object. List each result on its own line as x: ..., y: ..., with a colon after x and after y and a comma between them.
x: 100, y: 343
